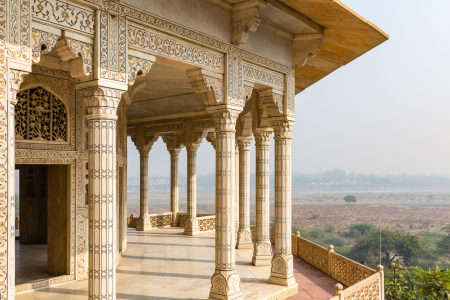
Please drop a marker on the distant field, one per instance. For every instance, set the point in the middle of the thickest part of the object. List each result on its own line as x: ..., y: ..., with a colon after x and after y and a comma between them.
x: 410, y: 211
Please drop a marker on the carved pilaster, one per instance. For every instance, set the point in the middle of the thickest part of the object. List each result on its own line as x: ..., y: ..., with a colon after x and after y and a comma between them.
x: 262, y: 252
x: 14, y: 78
x: 282, y: 262
x: 143, y: 144
x: 102, y: 104
x: 225, y: 281
x: 244, y: 240
x: 245, y: 17
x: 236, y: 188
x: 191, y: 227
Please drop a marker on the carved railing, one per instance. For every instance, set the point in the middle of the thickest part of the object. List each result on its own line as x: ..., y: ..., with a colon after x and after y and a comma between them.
x: 363, y: 282
x: 161, y: 220
x: 207, y: 223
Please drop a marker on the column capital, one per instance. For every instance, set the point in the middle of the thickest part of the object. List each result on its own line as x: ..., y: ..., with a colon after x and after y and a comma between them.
x: 282, y: 129
x: 173, y: 142
x: 244, y: 143
x: 15, y: 78
x: 191, y: 148
x: 101, y: 101
x: 263, y: 136
x: 225, y: 119
x: 174, y: 153
x: 142, y: 141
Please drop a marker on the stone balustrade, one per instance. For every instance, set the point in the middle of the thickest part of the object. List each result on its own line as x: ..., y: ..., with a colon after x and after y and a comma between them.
x: 206, y: 222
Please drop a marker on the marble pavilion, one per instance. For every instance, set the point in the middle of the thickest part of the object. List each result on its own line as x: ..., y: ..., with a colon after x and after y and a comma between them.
x: 77, y: 77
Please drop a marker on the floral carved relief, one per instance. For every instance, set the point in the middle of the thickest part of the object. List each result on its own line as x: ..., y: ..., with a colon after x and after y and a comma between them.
x: 42, y: 39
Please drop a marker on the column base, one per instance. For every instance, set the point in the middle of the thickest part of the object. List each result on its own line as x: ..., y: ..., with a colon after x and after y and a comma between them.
x: 225, y: 286
x: 191, y: 227
x: 244, y: 240
x: 143, y: 224
x: 282, y: 271
x: 174, y: 220
x: 262, y: 254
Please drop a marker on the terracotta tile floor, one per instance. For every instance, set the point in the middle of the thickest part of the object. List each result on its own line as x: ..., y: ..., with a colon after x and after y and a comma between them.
x: 313, y: 284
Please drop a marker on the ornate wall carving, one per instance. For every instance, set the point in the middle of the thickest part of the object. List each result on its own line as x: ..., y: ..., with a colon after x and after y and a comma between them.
x: 254, y: 73
x: 157, y: 43
x: 41, y: 116
x: 42, y: 39
x: 64, y: 14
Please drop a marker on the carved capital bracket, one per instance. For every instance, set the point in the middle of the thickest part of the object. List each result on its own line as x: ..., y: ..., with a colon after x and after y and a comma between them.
x: 282, y: 128
x: 138, y: 65
x: 244, y: 126
x: 192, y: 136
x: 79, y: 54
x: 245, y: 17
x: 101, y: 102
x: 244, y: 143
x: 211, y: 137
x: 225, y: 119
x: 208, y: 84
x: 142, y: 141
x: 42, y: 41
x: 272, y: 101
x: 305, y: 46
x: 173, y: 143
x: 15, y: 78
x: 262, y: 136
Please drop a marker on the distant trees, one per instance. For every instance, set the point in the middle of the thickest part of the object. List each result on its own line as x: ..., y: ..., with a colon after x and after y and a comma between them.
x: 444, y: 244
x: 350, y: 199
x: 315, y: 216
x: 394, y: 246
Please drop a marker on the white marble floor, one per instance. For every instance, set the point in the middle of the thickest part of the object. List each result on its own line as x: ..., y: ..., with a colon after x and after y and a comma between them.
x: 165, y: 264
x: 31, y: 262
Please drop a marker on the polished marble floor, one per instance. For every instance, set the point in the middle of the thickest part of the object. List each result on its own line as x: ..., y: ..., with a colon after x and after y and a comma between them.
x: 165, y: 264
x: 31, y: 263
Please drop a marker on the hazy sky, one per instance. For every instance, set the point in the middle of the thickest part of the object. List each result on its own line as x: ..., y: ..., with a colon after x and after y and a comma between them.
x: 387, y: 112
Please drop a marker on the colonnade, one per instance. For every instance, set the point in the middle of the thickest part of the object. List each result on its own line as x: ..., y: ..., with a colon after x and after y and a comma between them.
x: 233, y: 197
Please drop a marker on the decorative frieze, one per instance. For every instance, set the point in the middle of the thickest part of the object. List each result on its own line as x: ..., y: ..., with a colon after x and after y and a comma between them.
x: 269, y: 78
x: 156, y: 43
x: 64, y: 14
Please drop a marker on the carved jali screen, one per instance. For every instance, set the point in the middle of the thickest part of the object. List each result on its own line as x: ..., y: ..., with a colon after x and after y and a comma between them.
x: 40, y: 116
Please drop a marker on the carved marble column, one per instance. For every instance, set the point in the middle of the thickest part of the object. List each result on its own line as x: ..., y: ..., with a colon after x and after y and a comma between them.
x: 143, y: 222
x: 262, y: 251
x: 7, y: 183
x: 225, y: 281
x: 143, y: 144
x: 174, y: 154
x: 191, y: 227
x: 236, y: 188
x: 101, y: 104
x: 282, y: 261
x: 244, y: 240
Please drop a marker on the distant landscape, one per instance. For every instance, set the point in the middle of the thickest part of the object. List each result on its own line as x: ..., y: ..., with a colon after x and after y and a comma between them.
x: 413, y: 208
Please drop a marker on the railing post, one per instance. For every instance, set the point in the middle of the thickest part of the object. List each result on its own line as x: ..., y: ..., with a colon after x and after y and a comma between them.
x: 330, y: 256
x: 380, y: 269
x: 338, y: 291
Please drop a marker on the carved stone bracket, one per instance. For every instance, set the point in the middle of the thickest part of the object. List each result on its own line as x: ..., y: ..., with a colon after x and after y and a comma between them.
x: 142, y: 140
x: 305, y: 46
x: 211, y: 137
x: 80, y: 55
x: 245, y: 16
x: 138, y: 66
x: 208, y: 84
x: 172, y: 141
x: 271, y: 100
x: 42, y: 41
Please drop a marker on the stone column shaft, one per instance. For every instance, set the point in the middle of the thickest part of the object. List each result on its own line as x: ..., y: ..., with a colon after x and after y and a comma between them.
x: 191, y: 227
x: 174, y: 154
x: 143, y: 223
x: 282, y: 261
x: 262, y: 252
x: 236, y: 178
x: 244, y: 240
x: 225, y: 281
x: 102, y: 106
